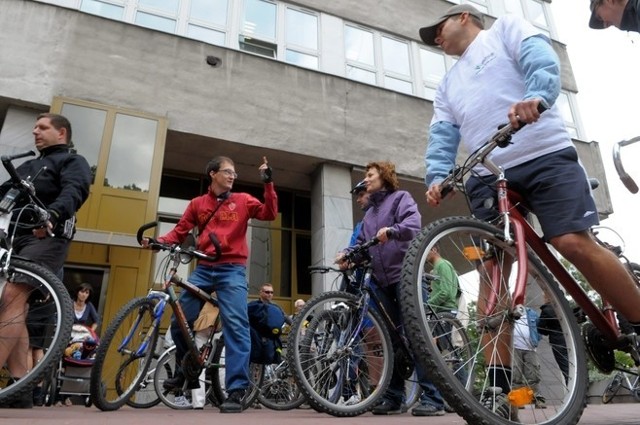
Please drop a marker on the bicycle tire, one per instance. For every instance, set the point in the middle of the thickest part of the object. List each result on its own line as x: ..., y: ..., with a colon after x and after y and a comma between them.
x: 612, y: 389
x: 323, y: 351
x: 469, y: 244
x: 145, y: 396
x: 279, y: 390
x: 412, y: 391
x: 165, y: 369
x: 114, y: 376
x: 48, y: 298
x: 218, y: 382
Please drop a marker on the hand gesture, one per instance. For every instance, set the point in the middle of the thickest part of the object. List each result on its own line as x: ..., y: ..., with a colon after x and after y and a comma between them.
x: 265, y: 171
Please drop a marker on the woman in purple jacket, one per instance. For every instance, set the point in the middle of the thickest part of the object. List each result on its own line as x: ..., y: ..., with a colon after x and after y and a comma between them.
x: 393, y: 218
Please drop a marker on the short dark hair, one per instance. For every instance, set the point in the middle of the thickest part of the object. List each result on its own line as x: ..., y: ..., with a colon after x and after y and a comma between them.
x: 81, y: 287
x: 58, y: 121
x: 214, y: 165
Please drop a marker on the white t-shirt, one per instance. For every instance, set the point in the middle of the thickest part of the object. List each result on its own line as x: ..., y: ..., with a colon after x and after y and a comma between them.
x: 478, y: 91
x: 522, y: 335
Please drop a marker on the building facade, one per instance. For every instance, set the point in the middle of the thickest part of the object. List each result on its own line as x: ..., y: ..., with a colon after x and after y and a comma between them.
x: 155, y: 88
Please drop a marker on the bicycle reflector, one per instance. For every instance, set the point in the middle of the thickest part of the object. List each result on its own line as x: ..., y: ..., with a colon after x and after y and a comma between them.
x: 521, y: 396
x: 473, y: 253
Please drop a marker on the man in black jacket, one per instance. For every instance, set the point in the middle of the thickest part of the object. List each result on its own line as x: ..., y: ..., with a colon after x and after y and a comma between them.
x: 622, y: 14
x: 62, y: 186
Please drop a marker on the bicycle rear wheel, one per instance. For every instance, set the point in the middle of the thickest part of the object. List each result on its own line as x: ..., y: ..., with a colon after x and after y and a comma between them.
x: 612, y: 389
x: 124, y: 355
x: 471, y: 245
x: 279, y: 390
x: 145, y: 396
x: 341, y: 361
x: 48, y: 324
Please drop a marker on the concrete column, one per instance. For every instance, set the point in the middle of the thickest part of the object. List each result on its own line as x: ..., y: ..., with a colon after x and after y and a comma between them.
x: 331, y: 220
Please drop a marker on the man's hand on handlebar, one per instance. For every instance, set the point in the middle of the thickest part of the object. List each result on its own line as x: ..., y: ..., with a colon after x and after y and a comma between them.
x: 526, y: 112
x: 145, y: 242
x: 433, y: 195
x: 44, y: 231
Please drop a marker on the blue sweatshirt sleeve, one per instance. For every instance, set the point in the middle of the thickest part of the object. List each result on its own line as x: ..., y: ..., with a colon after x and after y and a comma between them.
x: 440, y: 156
x: 541, y: 68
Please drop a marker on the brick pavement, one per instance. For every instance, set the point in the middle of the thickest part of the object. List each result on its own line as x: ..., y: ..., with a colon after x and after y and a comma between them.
x: 597, y: 414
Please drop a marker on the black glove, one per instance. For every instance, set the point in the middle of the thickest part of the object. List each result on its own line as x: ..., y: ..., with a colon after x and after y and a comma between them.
x: 265, y: 175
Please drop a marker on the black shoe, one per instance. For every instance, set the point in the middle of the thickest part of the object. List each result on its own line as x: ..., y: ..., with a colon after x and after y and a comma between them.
x: 233, y: 403
x: 38, y: 396
x: 174, y: 383
x: 427, y: 410
x: 387, y: 407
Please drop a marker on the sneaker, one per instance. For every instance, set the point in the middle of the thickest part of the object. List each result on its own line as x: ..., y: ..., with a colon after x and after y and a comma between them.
x: 181, y: 401
x: 387, y: 407
x: 540, y: 402
x: 448, y: 408
x: 427, y: 410
x: 233, y: 403
x: 498, y: 402
x: 354, y: 399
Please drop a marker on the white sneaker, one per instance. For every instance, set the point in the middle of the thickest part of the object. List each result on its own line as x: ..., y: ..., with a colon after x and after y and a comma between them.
x: 354, y: 399
x: 181, y: 401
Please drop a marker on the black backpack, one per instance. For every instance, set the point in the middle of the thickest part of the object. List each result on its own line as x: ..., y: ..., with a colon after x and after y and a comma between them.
x: 265, y: 322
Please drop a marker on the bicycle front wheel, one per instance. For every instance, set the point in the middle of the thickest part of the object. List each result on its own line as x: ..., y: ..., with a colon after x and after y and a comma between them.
x: 48, y: 318
x: 471, y: 373
x: 124, y: 355
x: 341, y: 361
x: 612, y: 389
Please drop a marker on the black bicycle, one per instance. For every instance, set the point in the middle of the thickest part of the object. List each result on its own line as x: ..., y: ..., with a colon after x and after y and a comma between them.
x: 43, y: 302
x: 340, y: 349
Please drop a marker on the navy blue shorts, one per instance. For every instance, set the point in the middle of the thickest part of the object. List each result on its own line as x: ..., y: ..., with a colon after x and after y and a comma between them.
x: 554, y: 185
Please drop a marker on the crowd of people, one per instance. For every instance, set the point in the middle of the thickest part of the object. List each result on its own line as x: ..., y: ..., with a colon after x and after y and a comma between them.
x: 509, y: 72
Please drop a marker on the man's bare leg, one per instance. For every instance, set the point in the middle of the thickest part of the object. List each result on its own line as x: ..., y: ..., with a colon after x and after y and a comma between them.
x: 14, y: 338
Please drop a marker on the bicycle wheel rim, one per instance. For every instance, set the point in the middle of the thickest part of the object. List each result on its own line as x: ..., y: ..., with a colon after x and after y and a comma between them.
x: 145, y: 395
x: 124, y: 355
x: 279, y: 390
x: 565, y: 401
x: 50, y: 315
x: 325, y: 350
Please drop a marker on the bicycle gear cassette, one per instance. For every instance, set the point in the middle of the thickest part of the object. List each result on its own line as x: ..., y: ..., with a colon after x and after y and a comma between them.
x: 598, y: 348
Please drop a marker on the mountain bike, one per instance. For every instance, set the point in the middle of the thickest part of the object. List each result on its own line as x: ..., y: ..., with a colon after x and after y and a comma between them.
x: 129, y: 343
x: 340, y: 349
x: 628, y: 181
x: 488, y: 253
x: 44, y: 303
x: 622, y: 380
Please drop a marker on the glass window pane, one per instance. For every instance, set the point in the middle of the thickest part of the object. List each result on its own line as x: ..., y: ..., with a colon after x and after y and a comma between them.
x: 87, y: 125
x: 360, y: 74
x: 358, y: 45
x: 169, y: 6
x: 565, y: 108
x: 430, y: 92
x: 398, y: 85
x: 259, y: 19
x: 433, y: 65
x: 302, y: 29
x: 297, y: 58
x: 395, y: 56
x: 514, y: 7
x: 207, y: 35
x: 131, y: 153
x: 210, y: 11
x: 155, y: 22
x: 103, y: 9
x: 536, y: 13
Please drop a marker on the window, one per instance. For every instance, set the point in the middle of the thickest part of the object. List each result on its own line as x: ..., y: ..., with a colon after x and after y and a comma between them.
x: 208, y: 21
x: 396, y: 65
x: 433, y: 67
x: 108, y: 10
x: 535, y: 13
x: 132, y: 146
x: 564, y: 104
x: 160, y: 15
x: 258, y: 32
x: 359, y: 52
x: 301, y: 38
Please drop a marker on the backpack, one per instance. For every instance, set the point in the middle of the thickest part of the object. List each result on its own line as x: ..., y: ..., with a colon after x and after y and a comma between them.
x: 265, y: 322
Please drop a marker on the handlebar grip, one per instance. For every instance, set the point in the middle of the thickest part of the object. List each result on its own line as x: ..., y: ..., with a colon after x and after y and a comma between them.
x: 143, y: 228
x: 8, y: 165
x: 216, y: 245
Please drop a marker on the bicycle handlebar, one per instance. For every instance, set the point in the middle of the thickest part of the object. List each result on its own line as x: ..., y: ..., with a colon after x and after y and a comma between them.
x: 177, y: 249
x: 501, y: 139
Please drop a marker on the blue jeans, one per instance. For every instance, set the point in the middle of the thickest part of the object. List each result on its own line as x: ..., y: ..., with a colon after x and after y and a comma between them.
x: 230, y: 284
x: 388, y: 297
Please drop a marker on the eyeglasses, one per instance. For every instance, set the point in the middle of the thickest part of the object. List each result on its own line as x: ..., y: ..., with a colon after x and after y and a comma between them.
x: 229, y: 173
x: 268, y: 292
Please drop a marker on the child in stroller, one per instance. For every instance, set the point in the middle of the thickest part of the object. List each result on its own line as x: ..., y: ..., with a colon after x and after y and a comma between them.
x: 72, y: 376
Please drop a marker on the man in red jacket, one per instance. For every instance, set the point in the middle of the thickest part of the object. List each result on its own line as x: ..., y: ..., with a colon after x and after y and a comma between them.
x: 226, y: 215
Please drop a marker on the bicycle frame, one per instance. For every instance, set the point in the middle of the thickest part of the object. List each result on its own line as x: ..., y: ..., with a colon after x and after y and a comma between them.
x: 525, y: 235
